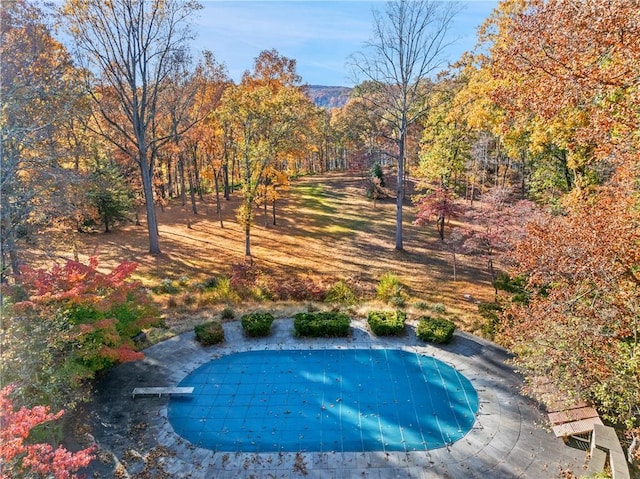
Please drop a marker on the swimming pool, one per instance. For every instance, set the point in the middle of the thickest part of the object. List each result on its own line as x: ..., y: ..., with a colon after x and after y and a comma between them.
x: 343, y: 400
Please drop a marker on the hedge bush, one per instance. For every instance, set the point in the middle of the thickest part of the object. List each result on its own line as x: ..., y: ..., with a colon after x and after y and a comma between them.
x: 325, y: 324
x: 209, y: 333
x: 257, y: 324
x: 435, y: 330
x: 387, y: 323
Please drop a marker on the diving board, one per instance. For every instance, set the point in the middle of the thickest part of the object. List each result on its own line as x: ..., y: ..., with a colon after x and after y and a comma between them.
x: 169, y: 391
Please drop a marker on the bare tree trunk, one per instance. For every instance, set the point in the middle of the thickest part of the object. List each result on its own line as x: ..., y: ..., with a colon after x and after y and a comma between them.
x: 274, y: 211
x: 266, y: 215
x: 170, y: 179
x: 400, y: 192
x: 152, y: 221
x: 196, y: 176
x: 13, y: 254
x: 225, y: 177
x: 247, y: 240
x: 183, y: 186
x: 216, y: 180
x: 440, y: 227
x: 233, y: 173
x: 192, y: 192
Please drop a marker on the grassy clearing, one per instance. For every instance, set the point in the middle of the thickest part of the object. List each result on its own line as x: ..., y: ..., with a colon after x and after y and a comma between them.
x: 327, y: 230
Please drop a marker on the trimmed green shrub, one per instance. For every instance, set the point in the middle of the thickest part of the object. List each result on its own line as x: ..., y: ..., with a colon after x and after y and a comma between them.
x: 325, y: 324
x: 257, y: 324
x: 435, y: 330
x: 341, y: 293
x: 387, y: 323
x: 209, y: 333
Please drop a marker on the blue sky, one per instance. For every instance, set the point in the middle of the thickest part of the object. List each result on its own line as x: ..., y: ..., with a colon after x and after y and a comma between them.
x: 319, y: 35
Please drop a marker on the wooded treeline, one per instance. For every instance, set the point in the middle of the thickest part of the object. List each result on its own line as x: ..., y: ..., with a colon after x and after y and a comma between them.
x: 534, y: 137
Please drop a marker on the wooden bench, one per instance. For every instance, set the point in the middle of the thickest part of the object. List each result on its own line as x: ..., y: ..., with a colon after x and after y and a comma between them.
x: 160, y: 391
x: 574, y: 421
x: 575, y: 428
x: 570, y: 415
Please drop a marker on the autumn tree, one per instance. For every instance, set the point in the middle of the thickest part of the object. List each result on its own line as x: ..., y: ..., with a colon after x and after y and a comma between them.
x: 37, y: 92
x: 446, y: 139
x: 438, y: 205
x: 571, y: 68
x: 132, y: 47
x: 268, y: 111
x: 22, y: 457
x: 566, y: 71
x: 496, y: 226
x: 580, y: 327
x: 64, y: 324
x: 408, y: 46
x: 191, y: 95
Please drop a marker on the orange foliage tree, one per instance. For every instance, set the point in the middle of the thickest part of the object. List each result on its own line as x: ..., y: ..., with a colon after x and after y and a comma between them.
x: 580, y: 326
x: 572, y: 67
x: 38, y: 89
x: 568, y: 72
x: 268, y: 112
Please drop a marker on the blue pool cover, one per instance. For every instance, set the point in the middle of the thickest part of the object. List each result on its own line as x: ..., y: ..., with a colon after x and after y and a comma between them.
x: 324, y: 400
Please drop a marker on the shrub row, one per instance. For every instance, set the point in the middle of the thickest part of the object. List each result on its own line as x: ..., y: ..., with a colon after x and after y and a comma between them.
x: 387, y: 323
x: 327, y: 324
x: 331, y: 325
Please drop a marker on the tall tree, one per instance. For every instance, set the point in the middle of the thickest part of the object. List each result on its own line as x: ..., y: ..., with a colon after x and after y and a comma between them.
x: 408, y: 47
x: 37, y: 91
x: 580, y: 329
x: 132, y: 46
x: 268, y: 110
x: 571, y: 69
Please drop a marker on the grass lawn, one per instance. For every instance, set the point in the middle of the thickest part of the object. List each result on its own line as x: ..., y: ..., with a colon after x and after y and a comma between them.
x: 326, y: 230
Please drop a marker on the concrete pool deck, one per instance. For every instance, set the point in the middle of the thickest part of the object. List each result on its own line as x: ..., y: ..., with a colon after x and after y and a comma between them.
x: 508, y: 439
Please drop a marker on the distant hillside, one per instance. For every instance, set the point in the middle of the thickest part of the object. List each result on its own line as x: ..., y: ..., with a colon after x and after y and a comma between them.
x: 329, y: 96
